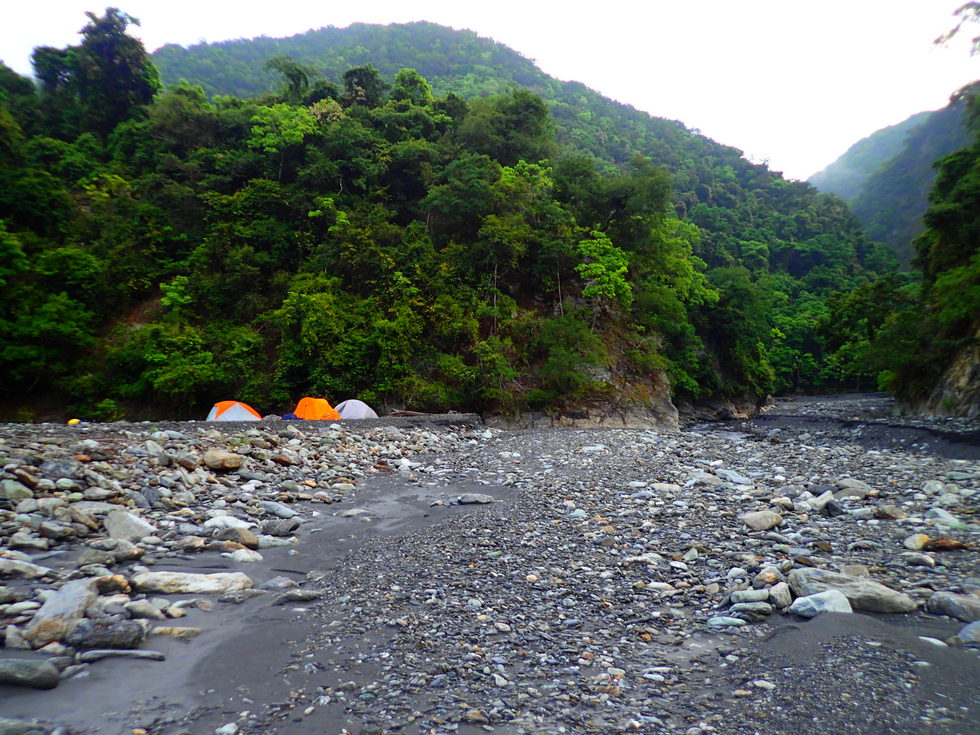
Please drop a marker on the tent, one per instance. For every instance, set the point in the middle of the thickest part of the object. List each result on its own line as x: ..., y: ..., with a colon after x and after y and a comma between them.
x: 233, y: 411
x: 355, y: 409
x: 315, y: 409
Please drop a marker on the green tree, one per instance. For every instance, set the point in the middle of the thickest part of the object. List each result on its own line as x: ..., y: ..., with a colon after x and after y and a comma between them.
x: 279, y: 126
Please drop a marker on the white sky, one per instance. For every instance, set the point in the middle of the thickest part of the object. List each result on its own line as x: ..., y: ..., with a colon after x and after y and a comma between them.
x: 791, y: 82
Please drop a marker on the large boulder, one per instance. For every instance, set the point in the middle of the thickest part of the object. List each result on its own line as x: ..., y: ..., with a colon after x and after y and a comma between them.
x: 62, y: 613
x: 862, y: 592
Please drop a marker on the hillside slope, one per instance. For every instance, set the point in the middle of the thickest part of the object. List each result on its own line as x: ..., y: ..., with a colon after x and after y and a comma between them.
x: 847, y: 176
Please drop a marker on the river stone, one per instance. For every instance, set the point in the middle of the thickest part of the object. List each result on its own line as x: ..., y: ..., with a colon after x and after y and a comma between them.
x: 21, y: 727
x: 227, y: 522
x: 961, y: 607
x: 826, y: 601
x: 945, y: 518
x: 18, y: 568
x: 219, y: 459
x: 861, y: 592
x: 182, y: 582
x: 970, y: 633
x: 106, y: 633
x: 780, y: 595
x: 475, y: 499
x: 849, y: 487
x: 123, y: 525
x: 245, y: 555
x: 14, y: 491
x: 25, y: 673
x: 916, y: 541
x: 753, y: 611
x: 733, y: 477
x: 62, y: 612
x: 241, y: 536
x: 750, y: 596
x: 761, y: 520
x: 277, y: 509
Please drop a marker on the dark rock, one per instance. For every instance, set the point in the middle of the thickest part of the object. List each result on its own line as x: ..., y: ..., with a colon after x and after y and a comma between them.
x: 107, y: 633
x: 25, y: 673
x: 279, y: 526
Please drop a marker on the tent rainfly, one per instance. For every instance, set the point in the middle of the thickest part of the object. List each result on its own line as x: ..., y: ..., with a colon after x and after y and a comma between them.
x: 233, y: 411
x: 355, y: 409
x: 315, y: 409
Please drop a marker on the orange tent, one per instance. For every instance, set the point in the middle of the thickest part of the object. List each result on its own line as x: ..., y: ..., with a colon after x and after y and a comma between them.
x: 233, y: 411
x: 316, y: 409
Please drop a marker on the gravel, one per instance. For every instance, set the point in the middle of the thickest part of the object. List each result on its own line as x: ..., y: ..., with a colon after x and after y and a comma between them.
x: 561, y: 580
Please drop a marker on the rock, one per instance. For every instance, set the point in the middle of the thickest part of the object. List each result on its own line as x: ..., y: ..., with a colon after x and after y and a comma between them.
x: 761, y: 520
x: 942, y: 517
x: 277, y: 509
x: 916, y: 541
x: 970, y: 633
x: 754, y: 611
x: 120, y: 524
x: 180, y: 634
x: 749, y: 596
x: 827, y: 601
x: 852, y: 488
x: 962, y: 607
x: 20, y: 727
x: 890, y: 512
x: 724, y: 621
x: 861, y: 592
x: 245, y: 555
x: 222, y: 522
x: 106, y: 633
x: 733, y: 477
x: 87, y: 657
x: 144, y: 609
x: 18, y: 568
x: 14, y: 491
x: 61, y: 613
x: 913, y: 559
x: 25, y: 673
x: 279, y: 527
x: 242, y: 536
x: 475, y: 499
x: 780, y: 595
x: 183, y: 582
x: 220, y: 460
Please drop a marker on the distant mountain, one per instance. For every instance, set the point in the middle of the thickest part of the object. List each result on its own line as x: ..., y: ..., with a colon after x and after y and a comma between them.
x: 847, y: 176
x: 886, y: 177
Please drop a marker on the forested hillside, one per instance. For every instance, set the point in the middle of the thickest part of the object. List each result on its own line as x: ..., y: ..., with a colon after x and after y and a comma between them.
x: 847, y: 176
x: 366, y: 233
x: 886, y: 178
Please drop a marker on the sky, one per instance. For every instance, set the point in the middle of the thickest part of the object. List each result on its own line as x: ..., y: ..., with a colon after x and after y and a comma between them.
x: 792, y: 83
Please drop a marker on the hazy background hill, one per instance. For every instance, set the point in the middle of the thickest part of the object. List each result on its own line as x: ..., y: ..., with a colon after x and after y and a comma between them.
x: 886, y: 177
x: 847, y: 176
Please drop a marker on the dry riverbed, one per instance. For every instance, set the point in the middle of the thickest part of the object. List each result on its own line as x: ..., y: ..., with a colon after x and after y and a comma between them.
x: 408, y: 576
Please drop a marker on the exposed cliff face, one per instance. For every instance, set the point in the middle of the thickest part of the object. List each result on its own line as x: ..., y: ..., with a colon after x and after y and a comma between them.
x: 958, y: 392
x: 624, y: 399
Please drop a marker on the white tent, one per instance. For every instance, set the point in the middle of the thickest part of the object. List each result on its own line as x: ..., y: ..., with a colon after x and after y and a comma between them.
x: 355, y: 409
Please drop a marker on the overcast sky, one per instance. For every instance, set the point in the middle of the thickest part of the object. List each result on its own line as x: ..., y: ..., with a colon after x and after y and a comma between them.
x: 790, y: 82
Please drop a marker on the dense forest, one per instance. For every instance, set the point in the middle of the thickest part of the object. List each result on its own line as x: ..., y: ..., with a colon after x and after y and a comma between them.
x: 436, y: 229
x: 886, y: 178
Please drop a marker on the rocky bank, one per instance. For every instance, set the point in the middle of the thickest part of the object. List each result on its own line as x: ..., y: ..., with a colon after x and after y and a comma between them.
x: 371, y: 578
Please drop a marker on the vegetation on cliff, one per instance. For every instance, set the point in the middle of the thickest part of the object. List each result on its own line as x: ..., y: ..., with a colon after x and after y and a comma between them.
x: 456, y: 241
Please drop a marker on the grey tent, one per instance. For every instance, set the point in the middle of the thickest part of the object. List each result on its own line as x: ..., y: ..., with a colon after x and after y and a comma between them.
x: 355, y: 409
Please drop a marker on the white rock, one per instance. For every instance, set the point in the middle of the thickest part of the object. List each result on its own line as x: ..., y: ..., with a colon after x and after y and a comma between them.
x: 180, y: 582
